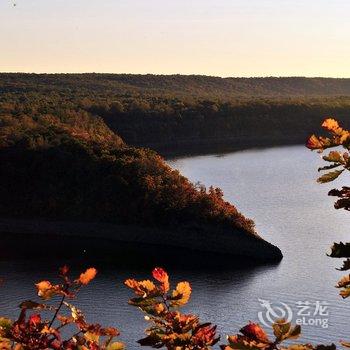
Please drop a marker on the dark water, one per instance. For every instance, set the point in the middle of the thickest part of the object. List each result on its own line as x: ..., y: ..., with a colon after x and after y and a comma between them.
x: 276, y: 188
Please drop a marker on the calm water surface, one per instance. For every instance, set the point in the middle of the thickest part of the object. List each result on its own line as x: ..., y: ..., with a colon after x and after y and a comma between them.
x: 277, y: 189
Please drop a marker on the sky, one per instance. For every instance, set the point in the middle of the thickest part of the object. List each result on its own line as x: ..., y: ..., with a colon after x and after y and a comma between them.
x: 210, y: 37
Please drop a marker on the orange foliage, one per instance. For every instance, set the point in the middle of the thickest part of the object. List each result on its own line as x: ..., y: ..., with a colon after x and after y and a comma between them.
x: 169, y: 328
x: 87, y: 276
x: 33, y: 332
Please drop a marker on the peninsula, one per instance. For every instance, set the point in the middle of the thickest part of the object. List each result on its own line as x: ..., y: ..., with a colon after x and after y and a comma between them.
x: 66, y: 173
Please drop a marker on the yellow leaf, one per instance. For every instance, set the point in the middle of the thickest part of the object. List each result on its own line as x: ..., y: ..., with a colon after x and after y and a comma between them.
x: 46, y: 290
x: 148, y: 286
x: 92, y: 337
x: 344, y: 293
x: 330, y: 124
x: 116, y: 346
x: 159, y: 308
x: 77, y: 314
x: 181, y: 294
x: 5, y: 344
x: 131, y: 283
x: 344, y: 136
x: 334, y: 156
x: 143, y: 288
x: 344, y: 281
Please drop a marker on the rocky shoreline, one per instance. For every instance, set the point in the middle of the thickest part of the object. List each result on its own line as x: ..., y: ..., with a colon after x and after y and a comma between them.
x: 207, y: 239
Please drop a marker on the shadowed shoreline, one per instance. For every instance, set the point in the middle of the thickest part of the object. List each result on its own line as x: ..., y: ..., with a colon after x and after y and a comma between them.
x: 134, y: 244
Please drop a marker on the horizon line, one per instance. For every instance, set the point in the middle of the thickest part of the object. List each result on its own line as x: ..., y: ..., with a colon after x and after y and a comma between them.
x: 177, y: 74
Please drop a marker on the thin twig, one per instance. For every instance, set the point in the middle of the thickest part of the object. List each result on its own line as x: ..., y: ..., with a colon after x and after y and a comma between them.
x: 57, y: 310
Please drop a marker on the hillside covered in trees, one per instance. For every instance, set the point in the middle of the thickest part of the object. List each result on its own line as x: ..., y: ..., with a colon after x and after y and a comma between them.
x: 75, y: 167
x: 185, y: 86
x: 71, y: 167
x: 178, y: 114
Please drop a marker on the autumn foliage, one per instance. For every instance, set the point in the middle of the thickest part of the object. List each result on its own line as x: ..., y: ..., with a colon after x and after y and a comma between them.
x: 161, y: 304
x: 107, y: 181
x: 168, y: 328
x: 339, y: 160
x: 34, y: 332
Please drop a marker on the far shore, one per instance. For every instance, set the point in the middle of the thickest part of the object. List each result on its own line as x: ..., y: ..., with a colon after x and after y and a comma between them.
x: 187, y: 147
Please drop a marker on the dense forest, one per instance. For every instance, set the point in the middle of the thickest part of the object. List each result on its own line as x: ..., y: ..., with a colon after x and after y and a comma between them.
x: 178, y: 114
x: 91, y: 123
x: 185, y: 86
x: 73, y: 167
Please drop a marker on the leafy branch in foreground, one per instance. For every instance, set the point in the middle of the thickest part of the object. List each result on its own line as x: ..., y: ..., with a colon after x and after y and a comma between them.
x: 253, y: 337
x: 169, y: 328
x: 339, y: 137
x: 175, y: 331
x: 33, y: 332
x: 339, y: 160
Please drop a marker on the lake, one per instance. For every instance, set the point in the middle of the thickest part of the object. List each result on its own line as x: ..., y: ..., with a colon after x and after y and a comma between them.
x: 276, y: 188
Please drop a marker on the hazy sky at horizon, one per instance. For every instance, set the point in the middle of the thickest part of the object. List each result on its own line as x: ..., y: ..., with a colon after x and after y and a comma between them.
x: 212, y: 37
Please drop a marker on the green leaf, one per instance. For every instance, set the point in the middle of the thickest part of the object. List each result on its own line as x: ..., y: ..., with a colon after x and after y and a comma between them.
x: 346, y: 265
x: 243, y: 344
x: 143, y: 302
x: 300, y: 347
x: 344, y: 195
x: 294, y: 332
x: 32, y: 305
x: 340, y: 250
x: 328, y: 167
x: 5, y: 323
x: 329, y: 176
x: 326, y: 347
x: 280, y: 329
x: 152, y: 340
x: 283, y: 330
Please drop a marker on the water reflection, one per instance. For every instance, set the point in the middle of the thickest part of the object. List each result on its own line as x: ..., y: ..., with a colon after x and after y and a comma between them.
x: 277, y: 189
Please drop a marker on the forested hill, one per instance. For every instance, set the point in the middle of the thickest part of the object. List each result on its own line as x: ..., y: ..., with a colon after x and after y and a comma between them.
x: 195, y: 86
x: 182, y: 114
x: 69, y: 167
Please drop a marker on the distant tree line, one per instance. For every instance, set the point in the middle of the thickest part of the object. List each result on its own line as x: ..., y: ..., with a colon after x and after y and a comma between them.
x: 180, y: 113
